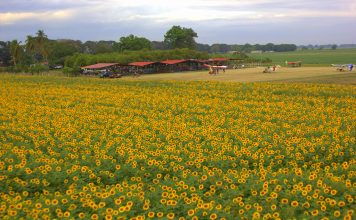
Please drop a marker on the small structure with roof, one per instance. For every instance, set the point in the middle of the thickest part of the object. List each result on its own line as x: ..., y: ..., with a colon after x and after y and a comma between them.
x: 144, y: 67
x: 221, y: 61
x: 294, y: 63
x: 181, y: 65
x: 96, y: 68
x: 173, y: 66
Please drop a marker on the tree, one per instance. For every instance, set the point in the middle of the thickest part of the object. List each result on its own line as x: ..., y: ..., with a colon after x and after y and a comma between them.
x: 247, y: 48
x: 30, y: 47
x: 178, y: 37
x: 104, y: 47
x: 132, y: 42
x: 220, y: 48
x: 285, y: 47
x: 61, y: 49
x: 15, y: 51
x: 95, y: 47
x: 158, y: 45
x: 268, y: 47
x: 203, y: 47
x: 41, y: 43
x: 89, y: 47
x: 30, y: 44
x: 5, y: 56
x: 38, y: 47
x: 334, y: 46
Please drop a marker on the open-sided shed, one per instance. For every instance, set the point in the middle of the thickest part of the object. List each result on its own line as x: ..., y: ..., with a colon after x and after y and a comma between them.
x: 217, y: 61
x: 100, y: 66
x: 294, y: 64
x: 181, y: 65
x: 145, y: 67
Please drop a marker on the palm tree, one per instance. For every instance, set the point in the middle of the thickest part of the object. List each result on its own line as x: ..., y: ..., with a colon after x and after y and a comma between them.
x: 45, y: 51
x: 30, y: 44
x: 41, y: 37
x: 15, y: 51
x: 41, y: 41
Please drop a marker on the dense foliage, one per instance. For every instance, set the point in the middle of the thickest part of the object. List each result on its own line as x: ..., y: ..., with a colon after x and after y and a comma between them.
x: 132, y: 43
x: 180, y: 37
x: 89, y: 148
x: 40, y: 50
x: 133, y: 56
x: 60, y: 50
x: 246, y: 48
x: 5, y: 56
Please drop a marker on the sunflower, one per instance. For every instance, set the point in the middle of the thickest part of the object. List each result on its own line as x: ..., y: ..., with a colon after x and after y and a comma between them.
x: 337, y: 213
x: 341, y: 203
x: 213, y: 216
x: 151, y: 214
x: 66, y: 214
x: 256, y: 215
x: 170, y: 215
x: 12, y: 213
x: 81, y: 215
x: 294, y: 203
x: 159, y: 214
x: 315, y: 212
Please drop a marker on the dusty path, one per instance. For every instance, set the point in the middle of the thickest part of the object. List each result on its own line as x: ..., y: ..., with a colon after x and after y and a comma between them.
x: 303, y: 74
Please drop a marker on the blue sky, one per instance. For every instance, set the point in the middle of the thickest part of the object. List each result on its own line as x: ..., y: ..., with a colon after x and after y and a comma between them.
x: 215, y: 21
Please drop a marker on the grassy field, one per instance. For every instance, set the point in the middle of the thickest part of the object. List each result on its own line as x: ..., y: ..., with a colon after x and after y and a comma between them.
x: 321, y: 75
x: 132, y: 149
x: 312, y: 57
x: 284, y: 74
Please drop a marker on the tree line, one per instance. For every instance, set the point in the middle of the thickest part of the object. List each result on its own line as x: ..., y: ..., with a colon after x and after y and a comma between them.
x: 39, y: 51
x: 245, y: 48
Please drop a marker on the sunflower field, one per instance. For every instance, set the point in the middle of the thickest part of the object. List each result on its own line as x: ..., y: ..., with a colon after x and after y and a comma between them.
x: 114, y: 149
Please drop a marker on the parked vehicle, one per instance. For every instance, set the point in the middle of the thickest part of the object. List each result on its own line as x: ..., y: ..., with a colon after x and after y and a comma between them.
x: 108, y: 74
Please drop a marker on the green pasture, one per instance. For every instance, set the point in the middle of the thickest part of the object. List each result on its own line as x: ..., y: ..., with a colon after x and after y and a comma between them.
x: 311, y: 57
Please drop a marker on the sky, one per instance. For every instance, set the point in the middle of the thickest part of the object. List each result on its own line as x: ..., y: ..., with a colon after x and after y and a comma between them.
x: 299, y: 22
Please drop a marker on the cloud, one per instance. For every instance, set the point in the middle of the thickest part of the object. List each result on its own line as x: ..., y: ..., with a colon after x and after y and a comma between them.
x: 160, y: 12
x: 185, y: 10
x: 14, y: 17
x: 153, y: 17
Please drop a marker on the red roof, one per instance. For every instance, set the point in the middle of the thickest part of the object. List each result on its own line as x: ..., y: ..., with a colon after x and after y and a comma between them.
x: 99, y: 65
x: 295, y: 62
x: 196, y: 60
x: 219, y: 59
x: 141, y: 64
x: 172, y: 61
x: 202, y: 61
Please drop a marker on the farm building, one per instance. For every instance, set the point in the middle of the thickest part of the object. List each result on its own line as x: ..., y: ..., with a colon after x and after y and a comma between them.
x: 145, y: 67
x: 154, y: 67
x: 294, y: 64
x: 181, y: 65
x: 217, y: 61
x: 96, y: 68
